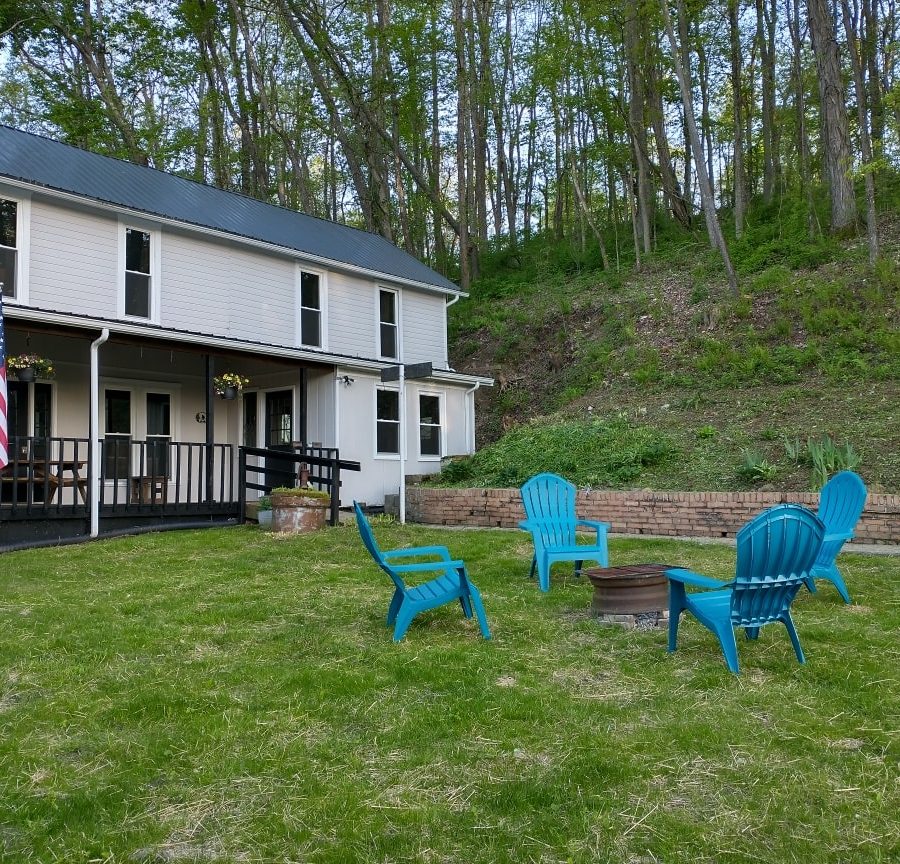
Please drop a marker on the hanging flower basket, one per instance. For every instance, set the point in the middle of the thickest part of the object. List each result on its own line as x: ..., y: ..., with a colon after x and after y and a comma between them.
x: 229, y: 384
x: 29, y: 366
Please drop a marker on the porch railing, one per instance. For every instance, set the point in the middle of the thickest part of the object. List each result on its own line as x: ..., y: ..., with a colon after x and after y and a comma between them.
x: 263, y: 470
x: 49, y: 477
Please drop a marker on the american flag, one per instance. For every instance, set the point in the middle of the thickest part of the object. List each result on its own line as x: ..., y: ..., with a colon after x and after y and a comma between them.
x: 4, y: 433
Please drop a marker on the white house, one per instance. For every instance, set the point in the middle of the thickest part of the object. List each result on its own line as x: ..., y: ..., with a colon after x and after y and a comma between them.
x: 141, y: 287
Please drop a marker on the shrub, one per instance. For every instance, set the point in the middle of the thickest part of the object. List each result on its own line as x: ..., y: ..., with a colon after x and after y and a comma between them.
x: 755, y: 467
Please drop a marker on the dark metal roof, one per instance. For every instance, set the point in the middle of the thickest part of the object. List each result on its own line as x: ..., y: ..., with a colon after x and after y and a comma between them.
x: 33, y: 159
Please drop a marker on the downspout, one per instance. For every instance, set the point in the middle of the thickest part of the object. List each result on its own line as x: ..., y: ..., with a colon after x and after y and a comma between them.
x: 470, y: 417
x: 94, y: 466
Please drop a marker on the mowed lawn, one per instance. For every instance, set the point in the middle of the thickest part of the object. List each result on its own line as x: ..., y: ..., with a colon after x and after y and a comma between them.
x: 229, y: 695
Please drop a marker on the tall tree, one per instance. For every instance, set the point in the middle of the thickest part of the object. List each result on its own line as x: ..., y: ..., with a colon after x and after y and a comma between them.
x: 835, y: 128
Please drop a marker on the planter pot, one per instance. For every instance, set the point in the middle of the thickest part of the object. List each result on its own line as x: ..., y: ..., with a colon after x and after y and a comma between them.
x: 229, y: 392
x: 25, y: 374
x: 298, y: 514
x: 264, y: 517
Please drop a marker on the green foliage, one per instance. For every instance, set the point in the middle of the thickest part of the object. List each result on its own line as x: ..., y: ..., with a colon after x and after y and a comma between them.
x: 607, y: 453
x: 705, y: 432
x: 755, y: 468
x: 828, y: 458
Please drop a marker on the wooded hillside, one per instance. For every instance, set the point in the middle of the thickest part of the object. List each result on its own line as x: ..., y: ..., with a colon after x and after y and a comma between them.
x: 454, y: 128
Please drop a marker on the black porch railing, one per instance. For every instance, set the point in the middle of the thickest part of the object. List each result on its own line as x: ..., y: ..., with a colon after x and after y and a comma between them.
x: 49, y: 478
x: 264, y: 470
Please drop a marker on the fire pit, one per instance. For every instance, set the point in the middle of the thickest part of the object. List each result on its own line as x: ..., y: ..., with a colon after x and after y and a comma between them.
x: 635, y: 595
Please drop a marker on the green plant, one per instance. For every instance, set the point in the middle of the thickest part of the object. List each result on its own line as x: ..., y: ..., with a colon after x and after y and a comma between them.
x: 707, y: 432
x: 264, y: 503
x: 301, y: 492
x: 43, y: 368
x: 793, y: 448
x: 828, y: 458
x: 755, y: 467
x: 229, y: 379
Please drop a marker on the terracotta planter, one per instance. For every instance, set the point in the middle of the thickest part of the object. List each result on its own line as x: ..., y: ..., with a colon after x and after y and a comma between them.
x: 298, y: 514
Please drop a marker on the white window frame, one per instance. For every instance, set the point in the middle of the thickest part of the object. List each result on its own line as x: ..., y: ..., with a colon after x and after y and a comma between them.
x: 378, y: 454
x: 398, y: 329
x: 442, y: 425
x: 23, y: 246
x: 323, y: 307
x: 155, y: 269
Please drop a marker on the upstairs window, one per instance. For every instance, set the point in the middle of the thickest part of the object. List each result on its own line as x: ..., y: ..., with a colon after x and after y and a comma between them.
x: 138, y: 282
x: 310, y: 310
x: 388, y: 325
x: 387, y: 422
x: 9, y: 211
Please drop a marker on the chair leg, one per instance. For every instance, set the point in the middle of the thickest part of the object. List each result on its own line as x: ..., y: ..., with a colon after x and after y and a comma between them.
x: 725, y: 633
x: 835, y: 576
x: 466, y: 604
x: 578, y: 566
x: 394, y: 608
x: 811, y: 584
x: 533, y: 566
x: 544, y: 576
x: 404, y: 618
x: 751, y: 632
x: 475, y: 597
x: 676, y: 606
x: 795, y: 639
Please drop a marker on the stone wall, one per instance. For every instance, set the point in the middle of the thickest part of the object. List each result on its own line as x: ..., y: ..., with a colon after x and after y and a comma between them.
x: 688, y: 514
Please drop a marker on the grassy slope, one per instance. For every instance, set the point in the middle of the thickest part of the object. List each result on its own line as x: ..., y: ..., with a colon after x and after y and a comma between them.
x: 233, y: 696
x: 812, y: 346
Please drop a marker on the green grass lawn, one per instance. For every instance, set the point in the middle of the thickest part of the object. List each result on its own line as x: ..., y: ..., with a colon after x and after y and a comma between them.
x: 232, y: 696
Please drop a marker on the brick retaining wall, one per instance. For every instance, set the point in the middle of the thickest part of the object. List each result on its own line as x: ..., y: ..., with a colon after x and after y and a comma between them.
x: 689, y: 514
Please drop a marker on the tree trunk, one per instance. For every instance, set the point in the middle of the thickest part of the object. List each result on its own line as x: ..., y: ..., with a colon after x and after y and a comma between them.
x: 835, y: 127
x: 706, y: 192
x: 738, y: 100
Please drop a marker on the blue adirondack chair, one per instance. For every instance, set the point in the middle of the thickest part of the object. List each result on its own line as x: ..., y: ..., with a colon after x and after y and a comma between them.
x: 407, y: 602
x: 841, y: 504
x: 549, y: 503
x: 775, y: 553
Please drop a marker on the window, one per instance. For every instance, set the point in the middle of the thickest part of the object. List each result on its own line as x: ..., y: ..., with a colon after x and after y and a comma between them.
x: 159, y: 434
x: 8, y: 246
x: 387, y: 422
x: 429, y: 425
x: 117, y: 440
x: 388, y: 325
x: 310, y: 310
x: 138, y: 281
x: 29, y: 409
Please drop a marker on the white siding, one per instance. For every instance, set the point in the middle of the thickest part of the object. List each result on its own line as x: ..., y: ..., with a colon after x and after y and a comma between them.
x: 351, y: 316
x: 224, y: 290
x: 423, y: 328
x: 73, y: 261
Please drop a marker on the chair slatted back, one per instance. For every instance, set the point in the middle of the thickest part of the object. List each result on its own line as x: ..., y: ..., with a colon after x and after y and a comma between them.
x: 841, y: 504
x: 775, y: 552
x: 549, y: 502
x: 368, y: 538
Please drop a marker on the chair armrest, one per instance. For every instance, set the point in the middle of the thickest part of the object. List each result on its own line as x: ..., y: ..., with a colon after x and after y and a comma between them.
x: 416, y: 551
x: 688, y: 577
x: 599, y: 527
x: 830, y: 538
x: 427, y: 566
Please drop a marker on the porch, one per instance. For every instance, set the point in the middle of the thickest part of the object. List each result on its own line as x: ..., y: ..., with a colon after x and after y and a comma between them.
x: 46, y: 489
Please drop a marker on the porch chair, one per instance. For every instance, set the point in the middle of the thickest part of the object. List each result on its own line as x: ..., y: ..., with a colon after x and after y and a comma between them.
x: 841, y: 503
x: 549, y: 502
x: 452, y: 584
x: 775, y: 554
